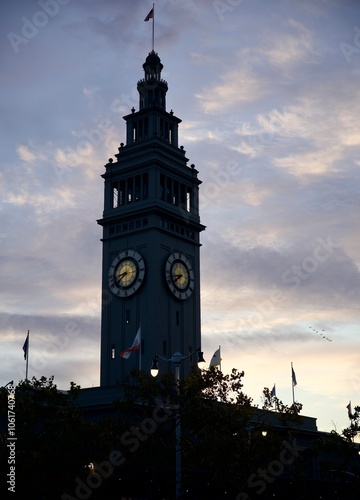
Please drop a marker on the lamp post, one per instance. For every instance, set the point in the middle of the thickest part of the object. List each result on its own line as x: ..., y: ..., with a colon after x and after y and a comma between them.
x: 177, y: 358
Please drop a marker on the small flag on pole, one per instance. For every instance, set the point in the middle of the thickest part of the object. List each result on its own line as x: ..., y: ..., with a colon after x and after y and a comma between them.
x: 150, y: 15
x: 216, y: 359
x: 294, y: 382
x: 273, y: 392
x: 26, y: 346
x: 349, y: 410
x: 135, y: 345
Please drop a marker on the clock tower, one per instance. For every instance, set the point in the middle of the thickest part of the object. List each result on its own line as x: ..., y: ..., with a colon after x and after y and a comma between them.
x: 151, y: 240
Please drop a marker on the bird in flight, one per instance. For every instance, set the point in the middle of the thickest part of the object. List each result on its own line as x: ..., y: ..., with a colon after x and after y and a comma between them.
x: 320, y: 333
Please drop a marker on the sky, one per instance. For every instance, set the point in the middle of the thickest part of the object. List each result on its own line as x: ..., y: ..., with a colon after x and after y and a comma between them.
x: 269, y: 97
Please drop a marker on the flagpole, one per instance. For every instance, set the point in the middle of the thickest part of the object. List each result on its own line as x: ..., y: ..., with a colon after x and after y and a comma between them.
x: 275, y: 395
x: 153, y: 29
x: 292, y: 383
x: 27, y: 356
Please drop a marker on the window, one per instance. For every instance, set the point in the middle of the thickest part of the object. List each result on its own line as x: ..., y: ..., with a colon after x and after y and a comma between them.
x: 137, y: 188
x: 188, y: 199
x: 174, y: 228
x: 122, y: 193
x: 130, y: 194
x: 161, y: 128
x: 175, y: 198
x: 145, y: 192
x: 162, y: 187
x: 115, y: 195
x: 182, y: 196
x: 168, y: 190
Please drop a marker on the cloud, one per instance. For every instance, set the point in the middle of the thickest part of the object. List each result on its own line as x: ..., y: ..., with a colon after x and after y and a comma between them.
x: 290, y: 48
x: 25, y: 154
x: 307, y: 128
x: 237, y: 87
x: 311, y: 163
x: 66, y: 344
x: 315, y: 272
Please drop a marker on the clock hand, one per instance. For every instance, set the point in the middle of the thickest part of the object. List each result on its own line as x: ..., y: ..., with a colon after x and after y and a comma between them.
x: 120, y: 277
x: 177, y: 276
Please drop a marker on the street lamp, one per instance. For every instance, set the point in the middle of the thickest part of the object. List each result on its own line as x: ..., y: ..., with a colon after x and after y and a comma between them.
x: 177, y: 358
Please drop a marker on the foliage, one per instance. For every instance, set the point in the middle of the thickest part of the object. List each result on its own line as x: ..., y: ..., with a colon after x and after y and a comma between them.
x: 354, y: 428
x: 338, y: 457
x: 223, y: 441
x: 53, y: 443
x: 216, y: 418
x: 287, y: 414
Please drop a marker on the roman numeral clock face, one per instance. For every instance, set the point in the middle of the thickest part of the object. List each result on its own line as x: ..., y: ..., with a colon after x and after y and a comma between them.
x: 126, y: 273
x: 179, y: 275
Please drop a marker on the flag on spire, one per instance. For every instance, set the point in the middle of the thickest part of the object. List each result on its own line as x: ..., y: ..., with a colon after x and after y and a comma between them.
x: 135, y: 345
x: 216, y: 359
x: 293, y: 376
x: 150, y: 15
x: 26, y: 346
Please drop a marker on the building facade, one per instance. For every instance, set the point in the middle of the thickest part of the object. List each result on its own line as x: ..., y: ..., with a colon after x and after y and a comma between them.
x: 151, y: 240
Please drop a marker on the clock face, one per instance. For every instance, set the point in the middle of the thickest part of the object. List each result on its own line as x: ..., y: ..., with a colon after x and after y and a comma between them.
x: 179, y: 275
x: 126, y: 273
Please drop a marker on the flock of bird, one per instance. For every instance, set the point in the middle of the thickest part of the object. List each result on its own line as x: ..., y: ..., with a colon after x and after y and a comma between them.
x: 320, y: 333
